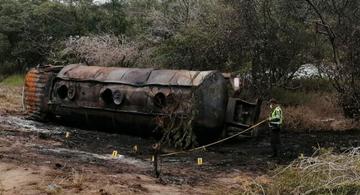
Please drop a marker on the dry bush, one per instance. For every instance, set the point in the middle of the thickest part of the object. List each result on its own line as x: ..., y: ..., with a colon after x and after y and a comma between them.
x: 102, y: 50
x: 10, y: 99
x: 309, y: 115
x: 53, y: 189
x: 77, y: 179
x: 322, y: 173
x: 177, y: 131
x: 319, y: 111
x: 242, y: 185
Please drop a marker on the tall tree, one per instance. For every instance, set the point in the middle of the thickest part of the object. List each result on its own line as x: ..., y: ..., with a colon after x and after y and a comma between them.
x: 339, y: 22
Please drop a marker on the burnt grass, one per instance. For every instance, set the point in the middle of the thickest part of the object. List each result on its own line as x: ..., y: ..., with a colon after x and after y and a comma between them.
x: 249, y: 154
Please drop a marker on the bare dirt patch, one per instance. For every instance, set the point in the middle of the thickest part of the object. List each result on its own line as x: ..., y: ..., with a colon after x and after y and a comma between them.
x: 10, y: 100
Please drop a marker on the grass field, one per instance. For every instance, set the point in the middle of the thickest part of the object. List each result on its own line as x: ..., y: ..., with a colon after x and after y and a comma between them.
x: 14, y: 80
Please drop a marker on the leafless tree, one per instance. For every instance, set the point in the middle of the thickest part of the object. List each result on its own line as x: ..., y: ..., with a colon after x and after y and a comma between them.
x: 104, y: 50
x: 339, y: 22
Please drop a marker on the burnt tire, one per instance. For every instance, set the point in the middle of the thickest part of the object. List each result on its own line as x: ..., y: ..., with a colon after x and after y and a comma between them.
x: 36, y: 92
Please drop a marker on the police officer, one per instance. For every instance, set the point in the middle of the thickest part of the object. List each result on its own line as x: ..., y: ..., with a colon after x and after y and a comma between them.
x: 275, y: 123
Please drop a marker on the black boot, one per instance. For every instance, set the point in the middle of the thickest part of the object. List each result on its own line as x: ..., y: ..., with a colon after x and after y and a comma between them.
x: 274, y: 150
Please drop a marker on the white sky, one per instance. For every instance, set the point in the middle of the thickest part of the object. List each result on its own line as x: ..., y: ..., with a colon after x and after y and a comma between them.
x: 100, y: 1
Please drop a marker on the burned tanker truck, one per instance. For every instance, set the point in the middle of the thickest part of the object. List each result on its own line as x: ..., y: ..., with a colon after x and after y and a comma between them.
x: 136, y: 101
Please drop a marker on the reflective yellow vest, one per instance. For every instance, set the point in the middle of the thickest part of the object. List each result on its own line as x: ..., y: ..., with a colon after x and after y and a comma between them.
x: 276, y: 115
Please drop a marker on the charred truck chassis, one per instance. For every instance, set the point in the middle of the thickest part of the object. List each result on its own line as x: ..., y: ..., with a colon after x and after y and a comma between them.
x: 130, y: 100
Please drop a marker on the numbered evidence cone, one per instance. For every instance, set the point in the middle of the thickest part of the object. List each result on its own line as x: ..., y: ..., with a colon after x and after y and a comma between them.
x: 115, y: 154
x: 199, y: 161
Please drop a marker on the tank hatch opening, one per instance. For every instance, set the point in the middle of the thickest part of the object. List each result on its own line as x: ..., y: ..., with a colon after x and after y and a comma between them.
x: 111, y: 97
x: 62, y: 91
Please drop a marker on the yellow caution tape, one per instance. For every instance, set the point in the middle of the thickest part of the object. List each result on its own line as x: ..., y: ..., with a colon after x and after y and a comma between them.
x: 217, y: 142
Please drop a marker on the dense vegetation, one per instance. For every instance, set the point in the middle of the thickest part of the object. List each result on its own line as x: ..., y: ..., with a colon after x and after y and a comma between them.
x: 265, y: 40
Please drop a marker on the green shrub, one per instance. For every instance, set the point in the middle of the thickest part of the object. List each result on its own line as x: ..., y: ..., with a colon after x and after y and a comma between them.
x: 313, y: 84
x: 290, y: 97
x: 302, y: 91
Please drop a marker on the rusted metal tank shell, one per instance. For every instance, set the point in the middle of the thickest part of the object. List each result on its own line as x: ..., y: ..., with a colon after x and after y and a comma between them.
x: 130, y: 100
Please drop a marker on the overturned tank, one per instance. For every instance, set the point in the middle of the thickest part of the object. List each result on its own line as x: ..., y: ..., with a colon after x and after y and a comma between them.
x: 135, y: 101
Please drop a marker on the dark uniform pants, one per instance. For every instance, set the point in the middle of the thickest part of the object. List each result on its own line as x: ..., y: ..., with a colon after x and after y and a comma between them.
x: 275, y: 139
